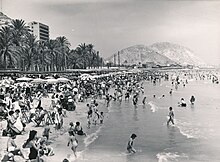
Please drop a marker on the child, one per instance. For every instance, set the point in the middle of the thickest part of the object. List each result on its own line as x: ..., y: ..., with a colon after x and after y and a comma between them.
x: 12, y: 147
x: 78, y: 129
x: 144, y: 100
x: 101, y: 117
x: 170, y: 116
x: 192, y: 100
x: 88, y: 120
x: 130, y: 144
x: 46, y: 131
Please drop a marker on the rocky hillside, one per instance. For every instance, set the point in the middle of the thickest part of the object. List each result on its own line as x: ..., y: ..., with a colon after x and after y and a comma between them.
x: 177, y: 53
x: 142, y: 54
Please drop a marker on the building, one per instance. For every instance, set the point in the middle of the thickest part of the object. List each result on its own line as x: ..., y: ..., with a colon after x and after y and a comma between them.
x: 41, y: 31
x: 4, y: 20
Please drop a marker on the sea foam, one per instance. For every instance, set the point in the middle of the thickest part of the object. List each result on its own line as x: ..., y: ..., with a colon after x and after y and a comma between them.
x: 169, y: 156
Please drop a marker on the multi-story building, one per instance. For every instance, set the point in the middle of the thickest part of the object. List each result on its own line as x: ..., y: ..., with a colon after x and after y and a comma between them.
x: 41, y: 31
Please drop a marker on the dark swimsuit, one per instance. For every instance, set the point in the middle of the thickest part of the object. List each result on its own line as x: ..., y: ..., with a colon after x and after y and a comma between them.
x: 33, y: 153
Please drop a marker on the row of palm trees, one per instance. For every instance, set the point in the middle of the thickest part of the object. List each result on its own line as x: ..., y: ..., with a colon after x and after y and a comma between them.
x: 20, y: 49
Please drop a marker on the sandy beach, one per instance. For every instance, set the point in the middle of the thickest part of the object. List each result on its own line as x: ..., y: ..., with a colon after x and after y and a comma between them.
x: 59, y: 138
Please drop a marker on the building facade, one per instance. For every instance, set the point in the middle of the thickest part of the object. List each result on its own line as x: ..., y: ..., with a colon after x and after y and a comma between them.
x: 41, y: 31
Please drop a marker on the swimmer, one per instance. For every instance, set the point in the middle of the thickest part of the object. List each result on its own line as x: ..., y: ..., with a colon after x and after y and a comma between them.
x: 182, y: 103
x: 144, y: 100
x: 130, y: 144
x: 192, y: 100
x: 171, y: 92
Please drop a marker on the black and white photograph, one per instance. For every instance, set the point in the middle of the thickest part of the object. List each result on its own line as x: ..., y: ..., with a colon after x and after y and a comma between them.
x: 109, y: 80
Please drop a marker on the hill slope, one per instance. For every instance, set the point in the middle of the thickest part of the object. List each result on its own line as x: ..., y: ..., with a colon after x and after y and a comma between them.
x: 177, y: 53
x: 142, y: 54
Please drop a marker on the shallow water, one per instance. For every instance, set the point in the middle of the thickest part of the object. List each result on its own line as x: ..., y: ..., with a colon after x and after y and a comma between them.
x: 194, y: 137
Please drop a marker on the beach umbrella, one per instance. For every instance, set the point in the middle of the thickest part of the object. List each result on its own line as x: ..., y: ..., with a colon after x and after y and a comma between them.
x: 86, y: 76
x: 22, y: 84
x: 25, y: 79
x: 64, y: 80
x: 51, y: 81
x: 49, y: 77
x: 38, y: 80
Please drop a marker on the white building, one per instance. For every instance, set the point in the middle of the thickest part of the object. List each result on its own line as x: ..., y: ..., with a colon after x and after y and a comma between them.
x: 41, y: 31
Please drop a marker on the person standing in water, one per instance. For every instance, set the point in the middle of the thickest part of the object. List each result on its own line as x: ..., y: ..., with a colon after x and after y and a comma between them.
x: 192, y: 100
x: 144, y: 100
x: 130, y: 147
x: 170, y: 116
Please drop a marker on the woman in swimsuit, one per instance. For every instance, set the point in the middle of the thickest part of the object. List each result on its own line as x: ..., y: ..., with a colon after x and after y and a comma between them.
x: 73, y: 142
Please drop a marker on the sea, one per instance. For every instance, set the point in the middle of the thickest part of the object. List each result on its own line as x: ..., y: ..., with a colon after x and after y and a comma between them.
x: 194, y: 137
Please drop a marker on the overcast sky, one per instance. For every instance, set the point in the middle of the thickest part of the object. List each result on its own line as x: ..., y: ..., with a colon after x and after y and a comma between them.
x: 112, y: 25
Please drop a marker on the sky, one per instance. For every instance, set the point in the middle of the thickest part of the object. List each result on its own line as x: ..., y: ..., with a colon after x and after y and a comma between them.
x: 112, y: 25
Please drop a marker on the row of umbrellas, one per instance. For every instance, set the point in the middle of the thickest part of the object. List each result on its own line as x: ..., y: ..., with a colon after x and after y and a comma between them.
x: 39, y: 80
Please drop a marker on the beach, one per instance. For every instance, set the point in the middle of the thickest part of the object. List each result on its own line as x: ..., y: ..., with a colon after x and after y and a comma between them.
x: 192, y: 138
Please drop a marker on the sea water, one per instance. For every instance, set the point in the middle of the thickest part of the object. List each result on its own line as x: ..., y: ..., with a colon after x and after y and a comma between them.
x: 194, y: 137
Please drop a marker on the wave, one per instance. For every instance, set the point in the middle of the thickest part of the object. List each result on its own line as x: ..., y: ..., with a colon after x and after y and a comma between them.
x: 92, y: 137
x: 169, y: 156
x: 153, y: 106
x: 188, y: 130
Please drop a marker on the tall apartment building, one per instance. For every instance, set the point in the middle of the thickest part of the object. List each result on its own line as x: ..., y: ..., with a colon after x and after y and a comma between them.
x: 41, y: 31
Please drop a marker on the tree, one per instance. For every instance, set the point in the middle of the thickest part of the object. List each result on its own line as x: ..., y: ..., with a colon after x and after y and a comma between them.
x: 28, y: 53
x: 6, y: 57
x: 64, y: 45
x: 81, y: 50
x: 19, y: 31
x: 52, y: 51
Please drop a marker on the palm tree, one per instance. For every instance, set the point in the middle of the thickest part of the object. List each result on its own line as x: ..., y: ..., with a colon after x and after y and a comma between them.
x: 52, y: 51
x: 91, y: 56
x: 42, y: 59
x: 19, y: 31
x: 28, y: 53
x: 64, y: 45
x: 74, y: 61
x: 6, y: 47
x: 81, y: 50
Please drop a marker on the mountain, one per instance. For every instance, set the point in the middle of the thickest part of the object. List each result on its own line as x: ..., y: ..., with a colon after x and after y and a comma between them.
x: 141, y: 54
x: 177, y: 53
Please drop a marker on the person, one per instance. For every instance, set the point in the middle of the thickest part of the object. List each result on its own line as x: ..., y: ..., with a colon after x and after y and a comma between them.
x: 101, y: 117
x: 47, y: 150
x: 88, y: 120
x: 12, y: 147
x: 171, y: 92
x: 71, y: 128
x: 73, y: 142
x: 33, y: 144
x: 78, y: 129
x: 135, y: 99
x: 182, y: 102
x: 46, y: 131
x: 144, y: 100
x: 130, y: 147
x: 192, y: 100
x: 170, y: 116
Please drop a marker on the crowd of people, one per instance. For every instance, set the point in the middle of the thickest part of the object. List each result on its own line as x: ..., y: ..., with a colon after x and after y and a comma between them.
x: 21, y: 105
